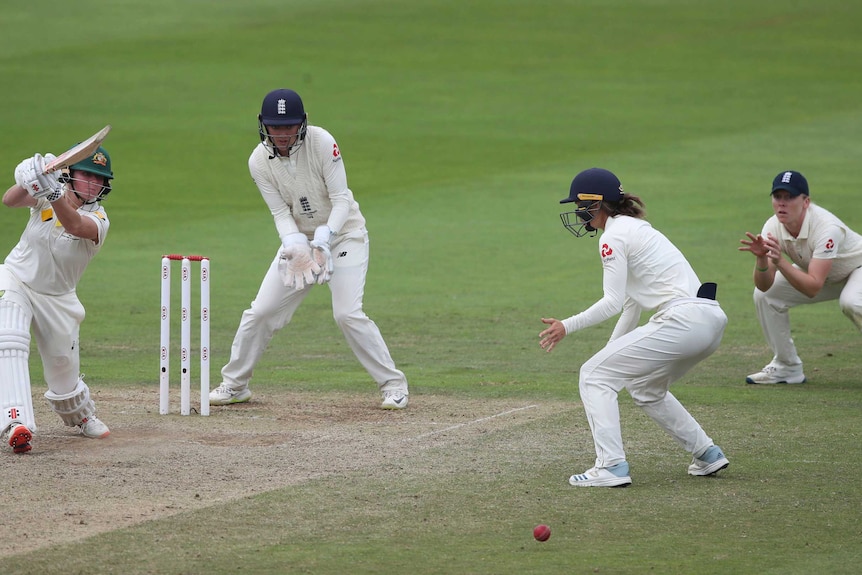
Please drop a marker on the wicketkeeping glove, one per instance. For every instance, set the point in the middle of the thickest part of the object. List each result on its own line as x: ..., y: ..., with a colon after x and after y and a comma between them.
x: 321, y: 253
x: 295, y: 264
x: 38, y: 184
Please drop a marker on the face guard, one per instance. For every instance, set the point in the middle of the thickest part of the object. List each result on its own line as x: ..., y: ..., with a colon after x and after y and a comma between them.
x: 100, y: 164
x: 269, y: 144
x: 578, y: 222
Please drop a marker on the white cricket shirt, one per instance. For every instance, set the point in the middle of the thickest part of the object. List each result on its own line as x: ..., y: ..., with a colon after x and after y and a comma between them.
x: 49, y: 260
x: 307, y: 189
x: 824, y: 237
x: 642, y: 270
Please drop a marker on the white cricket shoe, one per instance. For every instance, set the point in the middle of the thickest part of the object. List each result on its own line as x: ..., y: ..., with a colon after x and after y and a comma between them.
x: 709, y: 462
x: 613, y: 476
x: 224, y: 395
x: 93, y: 428
x: 395, y: 399
x: 776, y: 374
x: 19, y: 438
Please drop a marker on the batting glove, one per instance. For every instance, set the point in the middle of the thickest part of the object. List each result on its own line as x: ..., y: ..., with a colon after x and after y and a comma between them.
x: 296, y: 265
x: 25, y: 172
x: 321, y: 253
x: 43, y: 185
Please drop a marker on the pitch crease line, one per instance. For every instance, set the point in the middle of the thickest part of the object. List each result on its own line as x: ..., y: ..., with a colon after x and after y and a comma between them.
x: 475, y: 421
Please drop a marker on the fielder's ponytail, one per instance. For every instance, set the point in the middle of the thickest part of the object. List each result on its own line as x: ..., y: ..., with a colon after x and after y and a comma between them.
x: 629, y: 206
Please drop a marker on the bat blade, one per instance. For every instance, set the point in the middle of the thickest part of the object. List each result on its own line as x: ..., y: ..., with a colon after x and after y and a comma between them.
x: 78, y: 152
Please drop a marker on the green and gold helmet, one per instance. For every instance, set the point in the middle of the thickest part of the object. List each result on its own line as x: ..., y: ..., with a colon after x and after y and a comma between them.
x: 100, y: 164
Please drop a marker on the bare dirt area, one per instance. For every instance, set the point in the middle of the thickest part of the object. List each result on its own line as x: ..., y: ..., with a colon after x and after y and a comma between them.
x: 151, y: 466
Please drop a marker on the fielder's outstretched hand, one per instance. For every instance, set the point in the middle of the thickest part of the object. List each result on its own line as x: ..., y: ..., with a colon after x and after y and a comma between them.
x: 552, y: 335
x: 754, y: 244
x: 773, y: 249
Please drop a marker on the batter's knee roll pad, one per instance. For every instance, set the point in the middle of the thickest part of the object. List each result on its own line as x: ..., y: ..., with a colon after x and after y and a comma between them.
x: 73, y: 407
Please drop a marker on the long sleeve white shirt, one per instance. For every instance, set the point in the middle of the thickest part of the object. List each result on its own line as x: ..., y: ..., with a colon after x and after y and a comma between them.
x: 307, y: 189
x: 642, y: 270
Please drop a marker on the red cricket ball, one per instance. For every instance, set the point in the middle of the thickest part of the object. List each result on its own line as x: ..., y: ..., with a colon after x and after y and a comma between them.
x: 542, y: 532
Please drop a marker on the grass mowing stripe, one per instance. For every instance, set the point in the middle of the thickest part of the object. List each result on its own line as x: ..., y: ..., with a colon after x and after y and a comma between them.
x: 461, y: 126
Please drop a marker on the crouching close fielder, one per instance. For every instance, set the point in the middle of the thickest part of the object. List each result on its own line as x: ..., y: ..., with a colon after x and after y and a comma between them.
x: 823, y: 263
x: 300, y: 174
x: 642, y: 270
x: 38, y: 282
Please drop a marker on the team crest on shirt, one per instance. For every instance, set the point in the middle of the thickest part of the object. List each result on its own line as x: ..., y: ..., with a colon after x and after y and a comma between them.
x: 307, y: 210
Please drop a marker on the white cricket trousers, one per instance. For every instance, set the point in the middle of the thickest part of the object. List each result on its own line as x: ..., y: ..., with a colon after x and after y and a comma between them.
x: 774, y: 304
x: 274, y: 306
x: 645, y: 362
x: 56, y: 322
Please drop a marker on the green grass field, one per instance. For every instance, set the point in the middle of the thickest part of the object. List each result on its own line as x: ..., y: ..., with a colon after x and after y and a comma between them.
x: 461, y: 125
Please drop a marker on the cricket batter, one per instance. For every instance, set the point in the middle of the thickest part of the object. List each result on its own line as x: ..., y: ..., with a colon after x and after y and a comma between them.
x: 642, y: 270
x: 825, y: 263
x: 38, y: 279
x: 300, y: 174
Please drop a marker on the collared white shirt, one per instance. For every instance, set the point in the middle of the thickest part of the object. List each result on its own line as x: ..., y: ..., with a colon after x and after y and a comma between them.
x: 822, y: 236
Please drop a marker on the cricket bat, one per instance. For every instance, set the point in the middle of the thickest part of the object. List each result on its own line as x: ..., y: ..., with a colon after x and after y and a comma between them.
x: 77, y: 153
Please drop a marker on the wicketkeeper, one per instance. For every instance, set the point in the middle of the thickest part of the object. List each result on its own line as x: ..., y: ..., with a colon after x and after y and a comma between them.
x: 300, y: 174
x: 38, y: 279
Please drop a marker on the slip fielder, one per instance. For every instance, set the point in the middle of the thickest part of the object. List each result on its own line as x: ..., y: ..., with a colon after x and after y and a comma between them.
x: 823, y: 262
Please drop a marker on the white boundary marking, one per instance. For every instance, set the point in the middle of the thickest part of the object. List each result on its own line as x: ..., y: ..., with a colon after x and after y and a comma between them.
x: 475, y: 421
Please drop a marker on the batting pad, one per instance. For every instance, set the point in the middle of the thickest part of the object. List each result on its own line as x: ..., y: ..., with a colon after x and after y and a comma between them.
x: 74, y: 407
x: 16, y: 403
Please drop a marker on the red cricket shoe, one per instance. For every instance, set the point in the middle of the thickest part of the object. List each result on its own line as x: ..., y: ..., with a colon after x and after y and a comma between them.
x: 19, y: 439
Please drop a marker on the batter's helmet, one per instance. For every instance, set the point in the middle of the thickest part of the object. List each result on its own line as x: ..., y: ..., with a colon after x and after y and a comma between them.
x: 100, y: 164
x: 282, y: 107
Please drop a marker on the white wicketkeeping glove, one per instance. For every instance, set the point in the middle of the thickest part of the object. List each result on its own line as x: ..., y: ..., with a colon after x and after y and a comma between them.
x: 321, y: 254
x: 38, y: 184
x: 295, y: 264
